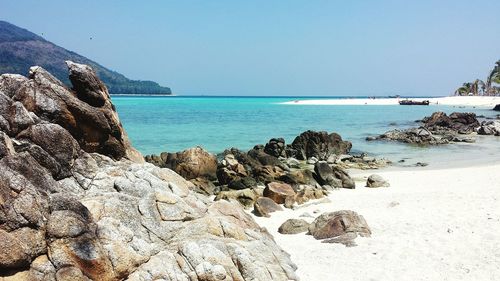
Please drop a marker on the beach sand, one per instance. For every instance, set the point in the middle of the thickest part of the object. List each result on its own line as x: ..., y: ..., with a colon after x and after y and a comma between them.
x: 428, y: 225
x: 454, y: 101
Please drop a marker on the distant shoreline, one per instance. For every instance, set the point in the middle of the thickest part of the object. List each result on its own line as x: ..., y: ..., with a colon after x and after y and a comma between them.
x: 478, y: 101
x: 143, y: 95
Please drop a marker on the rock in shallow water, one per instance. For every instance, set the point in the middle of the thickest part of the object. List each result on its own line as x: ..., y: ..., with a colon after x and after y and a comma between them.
x: 491, y: 128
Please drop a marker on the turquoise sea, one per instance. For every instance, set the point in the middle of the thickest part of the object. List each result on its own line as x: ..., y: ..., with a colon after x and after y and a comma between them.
x: 157, y: 124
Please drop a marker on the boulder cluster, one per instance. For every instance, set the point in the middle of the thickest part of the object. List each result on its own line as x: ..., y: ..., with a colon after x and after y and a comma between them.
x: 440, y: 128
x: 77, y: 202
x: 273, y: 174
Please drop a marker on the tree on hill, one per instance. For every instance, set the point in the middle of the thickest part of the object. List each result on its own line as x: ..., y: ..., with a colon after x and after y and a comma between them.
x: 20, y: 49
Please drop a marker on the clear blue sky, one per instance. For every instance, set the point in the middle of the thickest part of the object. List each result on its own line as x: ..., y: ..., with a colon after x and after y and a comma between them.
x: 287, y: 47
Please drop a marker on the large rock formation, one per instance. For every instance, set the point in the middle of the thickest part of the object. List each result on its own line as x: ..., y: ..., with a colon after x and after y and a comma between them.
x: 439, y: 128
x: 70, y: 210
x: 459, y: 122
x: 86, y: 112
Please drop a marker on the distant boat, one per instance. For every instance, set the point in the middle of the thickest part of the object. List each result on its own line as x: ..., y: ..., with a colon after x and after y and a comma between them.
x: 412, y: 102
x: 395, y: 97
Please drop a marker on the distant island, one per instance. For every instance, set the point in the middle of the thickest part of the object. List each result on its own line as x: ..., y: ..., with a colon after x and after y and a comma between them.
x: 20, y: 49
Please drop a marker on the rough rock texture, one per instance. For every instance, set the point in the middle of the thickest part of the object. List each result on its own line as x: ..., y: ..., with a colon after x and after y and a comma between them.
x: 462, y: 123
x: 279, y: 192
x: 333, y: 176
x: 191, y: 163
x: 275, y: 147
x: 439, y: 128
x: 376, y: 181
x: 67, y: 214
x: 317, y: 144
x: 293, y: 226
x: 491, y: 128
x: 246, y: 197
x: 420, y: 136
x: 264, y: 206
x: 341, y: 226
x: 95, y: 126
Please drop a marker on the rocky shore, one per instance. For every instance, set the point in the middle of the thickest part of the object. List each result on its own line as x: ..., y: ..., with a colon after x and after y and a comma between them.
x: 77, y: 202
x: 289, y: 174
x: 439, y: 128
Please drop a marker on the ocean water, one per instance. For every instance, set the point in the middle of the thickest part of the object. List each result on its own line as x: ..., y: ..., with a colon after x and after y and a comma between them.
x: 157, y: 124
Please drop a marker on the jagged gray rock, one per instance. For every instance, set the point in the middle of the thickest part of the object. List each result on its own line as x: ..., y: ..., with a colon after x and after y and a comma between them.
x: 70, y: 213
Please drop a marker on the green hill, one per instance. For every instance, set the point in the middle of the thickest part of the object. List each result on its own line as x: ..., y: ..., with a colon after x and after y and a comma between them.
x: 20, y: 49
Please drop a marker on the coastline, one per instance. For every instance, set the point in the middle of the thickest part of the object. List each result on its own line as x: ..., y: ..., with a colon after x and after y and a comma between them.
x: 428, y: 225
x: 477, y: 101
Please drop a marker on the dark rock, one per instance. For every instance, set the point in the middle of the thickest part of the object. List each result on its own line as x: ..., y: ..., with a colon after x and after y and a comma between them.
x: 87, y: 86
x: 293, y: 226
x: 497, y: 107
x: 243, y: 158
x: 334, y: 177
x: 243, y: 183
x: 225, y: 176
x: 265, y: 159
x: 347, y: 181
x: 275, y: 147
x: 439, y: 128
x: 462, y: 123
x: 96, y: 129
x: 57, y: 142
x: 317, y: 144
x: 264, y: 206
x: 420, y: 136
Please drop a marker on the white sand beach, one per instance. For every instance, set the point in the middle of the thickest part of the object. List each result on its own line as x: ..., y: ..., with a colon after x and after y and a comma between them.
x: 453, y: 101
x: 428, y: 225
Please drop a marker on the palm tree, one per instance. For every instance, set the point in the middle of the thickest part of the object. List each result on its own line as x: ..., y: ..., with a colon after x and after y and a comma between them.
x: 464, y: 90
x: 494, y: 77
